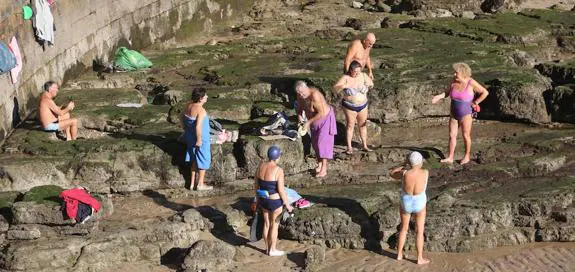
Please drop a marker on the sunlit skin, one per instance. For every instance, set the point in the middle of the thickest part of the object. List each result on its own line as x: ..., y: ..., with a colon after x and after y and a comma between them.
x: 459, y: 83
x: 49, y: 113
x: 359, y: 50
x: 354, y: 79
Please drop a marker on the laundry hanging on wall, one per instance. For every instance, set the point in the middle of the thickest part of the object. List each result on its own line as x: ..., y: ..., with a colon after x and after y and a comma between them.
x: 7, y: 59
x: 15, y: 72
x: 43, y: 21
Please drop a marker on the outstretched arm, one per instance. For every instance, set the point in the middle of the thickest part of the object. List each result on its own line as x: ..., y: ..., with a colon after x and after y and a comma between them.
x: 440, y: 96
x: 397, y: 172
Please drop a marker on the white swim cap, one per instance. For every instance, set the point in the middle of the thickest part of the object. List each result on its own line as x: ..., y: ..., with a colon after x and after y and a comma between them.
x: 415, y: 158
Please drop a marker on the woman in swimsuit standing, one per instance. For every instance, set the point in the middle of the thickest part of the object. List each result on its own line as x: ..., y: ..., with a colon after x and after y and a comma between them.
x: 462, y: 92
x: 355, y: 85
x: 271, y: 196
x: 413, y: 200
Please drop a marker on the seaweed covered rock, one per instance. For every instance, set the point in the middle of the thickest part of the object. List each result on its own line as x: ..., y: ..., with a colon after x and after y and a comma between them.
x: 517, y: 100
x: 146, y: 241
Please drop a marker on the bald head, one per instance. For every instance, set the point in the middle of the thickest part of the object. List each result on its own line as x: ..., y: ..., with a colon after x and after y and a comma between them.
x: 370, y: 36
x: 369, y: 40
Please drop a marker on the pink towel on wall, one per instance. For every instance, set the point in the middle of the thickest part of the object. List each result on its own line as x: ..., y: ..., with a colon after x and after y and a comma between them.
x: 15, y: 72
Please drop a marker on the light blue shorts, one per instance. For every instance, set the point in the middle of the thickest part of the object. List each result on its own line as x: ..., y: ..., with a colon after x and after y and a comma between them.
x: 53, y: 127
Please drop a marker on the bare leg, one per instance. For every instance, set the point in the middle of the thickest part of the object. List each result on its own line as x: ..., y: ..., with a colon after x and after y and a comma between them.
x: 402, y: 232
x: 70, y: 127
x: 362, y: 122
x: 273, y: 233
x: 193, y: 175
x: 420, y: 222
x: 452, y: 140
x: 323, y: 171
x: 266, y: 233
x: 318, y: 168
x: 466, y: 131
x: 350, y: 117
x: 201, y: 184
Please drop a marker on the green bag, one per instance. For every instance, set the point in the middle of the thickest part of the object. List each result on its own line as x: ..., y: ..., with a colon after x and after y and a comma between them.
x: 130, y: 60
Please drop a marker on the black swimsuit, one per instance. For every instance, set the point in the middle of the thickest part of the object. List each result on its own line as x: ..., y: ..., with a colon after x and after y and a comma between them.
x: 270, y: 186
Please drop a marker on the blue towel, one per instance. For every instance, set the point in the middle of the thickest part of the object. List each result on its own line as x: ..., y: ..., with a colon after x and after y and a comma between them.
x: 202, y: 155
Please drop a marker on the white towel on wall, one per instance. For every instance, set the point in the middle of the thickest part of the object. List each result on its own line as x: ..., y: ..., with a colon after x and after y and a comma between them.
x: 43, y: 21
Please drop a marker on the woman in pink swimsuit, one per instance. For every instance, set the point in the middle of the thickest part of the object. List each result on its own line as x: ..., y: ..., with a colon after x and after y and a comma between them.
x: 462, y: 93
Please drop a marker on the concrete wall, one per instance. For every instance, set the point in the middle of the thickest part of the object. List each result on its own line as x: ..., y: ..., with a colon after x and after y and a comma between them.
x: 90, y: 29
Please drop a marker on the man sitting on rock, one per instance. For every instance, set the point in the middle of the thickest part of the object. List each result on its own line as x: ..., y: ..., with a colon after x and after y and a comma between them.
x: 359, y: 50
x: 53, y: 117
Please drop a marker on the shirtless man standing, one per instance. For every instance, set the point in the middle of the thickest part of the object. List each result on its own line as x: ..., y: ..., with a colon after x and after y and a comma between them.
x: 359, y: 50
x: 54, y: 118
x: 321, y: 123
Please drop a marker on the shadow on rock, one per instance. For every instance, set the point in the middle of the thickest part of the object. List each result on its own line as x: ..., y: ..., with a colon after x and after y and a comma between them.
x: 168, y: 143
x: 369, y: 229
x: 162, y: 200
x: 222, y: 229
x: 297, y: 258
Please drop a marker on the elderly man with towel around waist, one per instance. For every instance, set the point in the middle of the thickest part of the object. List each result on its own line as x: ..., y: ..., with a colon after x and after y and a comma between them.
x: 321, y: 123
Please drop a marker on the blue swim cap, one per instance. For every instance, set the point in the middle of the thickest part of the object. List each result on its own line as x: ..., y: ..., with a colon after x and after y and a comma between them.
x: 274, y: 152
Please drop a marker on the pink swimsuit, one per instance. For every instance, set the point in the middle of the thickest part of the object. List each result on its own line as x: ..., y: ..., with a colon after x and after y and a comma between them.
x: 461, y: 102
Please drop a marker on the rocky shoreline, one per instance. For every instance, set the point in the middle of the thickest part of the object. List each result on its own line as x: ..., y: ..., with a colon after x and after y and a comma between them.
x: 519, y: 188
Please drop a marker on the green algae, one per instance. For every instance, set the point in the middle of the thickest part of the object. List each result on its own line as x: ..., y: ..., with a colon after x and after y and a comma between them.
x: 46, y: 194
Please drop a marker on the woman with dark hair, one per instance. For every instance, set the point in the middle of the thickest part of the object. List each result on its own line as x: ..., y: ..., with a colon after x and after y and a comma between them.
x: 196, y: 124
x: 354, y: 85
x: 271, y: 196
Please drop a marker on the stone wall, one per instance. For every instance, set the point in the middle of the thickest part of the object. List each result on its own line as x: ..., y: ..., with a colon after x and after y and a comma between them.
x: 86, y: 30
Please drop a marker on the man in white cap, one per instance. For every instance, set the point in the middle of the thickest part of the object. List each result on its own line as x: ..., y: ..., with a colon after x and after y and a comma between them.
x: 413, y: 201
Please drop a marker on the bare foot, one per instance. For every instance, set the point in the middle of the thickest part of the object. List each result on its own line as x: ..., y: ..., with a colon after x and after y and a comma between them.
x: 422, y: 261
x: 399, y: 257
x: 447, y: 160
x: 204, y: 188
x: 276, y: 253
x: 367, y: 149
x: 318, y: 169
x: 321, y: 175
x: 349, y: 151
x: 464, y: 161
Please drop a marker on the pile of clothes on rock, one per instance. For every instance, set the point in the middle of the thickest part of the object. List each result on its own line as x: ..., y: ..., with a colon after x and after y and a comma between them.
x: 278, y: 124
x: 219, y: 135
x: 78, y: 205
